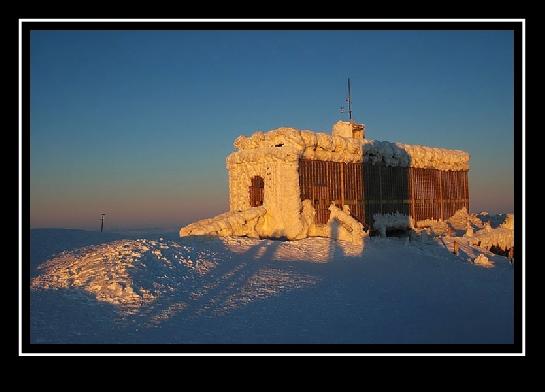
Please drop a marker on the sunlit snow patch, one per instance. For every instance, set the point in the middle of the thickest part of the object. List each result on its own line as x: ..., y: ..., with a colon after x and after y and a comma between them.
x: 129, y: 273
x: 157, y: 280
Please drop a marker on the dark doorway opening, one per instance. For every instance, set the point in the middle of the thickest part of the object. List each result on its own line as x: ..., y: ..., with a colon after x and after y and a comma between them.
x: 257, y: 191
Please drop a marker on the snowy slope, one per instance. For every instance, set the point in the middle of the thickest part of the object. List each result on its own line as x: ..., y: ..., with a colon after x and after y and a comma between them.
x: 241, y: 290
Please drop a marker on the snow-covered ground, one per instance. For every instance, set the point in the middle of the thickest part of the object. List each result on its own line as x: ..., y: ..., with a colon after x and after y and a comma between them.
x: 90, y: 287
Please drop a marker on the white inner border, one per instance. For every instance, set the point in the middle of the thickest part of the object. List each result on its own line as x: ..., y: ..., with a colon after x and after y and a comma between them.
x: 523, y: 21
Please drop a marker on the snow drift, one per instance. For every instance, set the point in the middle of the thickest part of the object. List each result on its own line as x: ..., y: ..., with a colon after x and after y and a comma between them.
x: 239, y: 223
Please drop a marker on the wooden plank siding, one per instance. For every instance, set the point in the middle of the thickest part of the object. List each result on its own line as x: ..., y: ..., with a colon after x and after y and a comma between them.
x: 370, y: 189
x: 439, y: 194
x: 386, y: 190
x: 421, y: 193
x: 324, y: 182
x: 426, y: 193
x: 353, y: 189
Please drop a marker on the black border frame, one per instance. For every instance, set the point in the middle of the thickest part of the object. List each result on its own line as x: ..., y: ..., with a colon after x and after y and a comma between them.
x: 28, y: 348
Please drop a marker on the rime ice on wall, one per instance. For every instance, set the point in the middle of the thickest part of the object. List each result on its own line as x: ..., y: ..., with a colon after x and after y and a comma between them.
x: 349, y: 129
x: 274, y: 156
x: 413, y: 155
x: 291, y: 144
x: 281, y: 194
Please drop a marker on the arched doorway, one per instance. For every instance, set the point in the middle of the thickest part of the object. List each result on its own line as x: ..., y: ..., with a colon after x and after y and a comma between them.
x: 256, y: 191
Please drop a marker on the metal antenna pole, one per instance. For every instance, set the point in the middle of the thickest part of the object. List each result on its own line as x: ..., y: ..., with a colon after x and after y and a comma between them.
x: 101, y: 222
x: 349, y: 101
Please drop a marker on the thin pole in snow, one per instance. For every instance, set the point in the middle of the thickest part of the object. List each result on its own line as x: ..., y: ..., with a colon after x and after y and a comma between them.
x: 102, y: 222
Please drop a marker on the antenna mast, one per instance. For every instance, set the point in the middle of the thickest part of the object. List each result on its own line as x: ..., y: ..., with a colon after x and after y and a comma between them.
x: 101, y: 222
x: 349, y: 101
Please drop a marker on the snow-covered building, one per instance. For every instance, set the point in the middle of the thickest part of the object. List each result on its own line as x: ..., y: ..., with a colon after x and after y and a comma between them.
x: 297, y: 183
x: 417, y: 181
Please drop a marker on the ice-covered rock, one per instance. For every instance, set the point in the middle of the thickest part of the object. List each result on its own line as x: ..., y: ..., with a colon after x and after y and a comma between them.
x: 469, y: 230
x: 349, y: 223
x: 509, y: 222
x: 483, y: 261
x: 500, y: 238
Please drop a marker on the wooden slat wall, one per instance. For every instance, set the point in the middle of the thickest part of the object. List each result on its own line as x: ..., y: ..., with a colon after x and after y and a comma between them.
x: 387, y: 190
x: 327, y: 181
x: 457, y: 195
x: 426, y: 193
x: 371, y: 189
x: 421, y: 193
x: 353, y: 190
x: 438, y: 194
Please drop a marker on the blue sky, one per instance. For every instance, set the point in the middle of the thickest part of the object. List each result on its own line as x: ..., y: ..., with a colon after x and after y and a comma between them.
x: 138, y: 123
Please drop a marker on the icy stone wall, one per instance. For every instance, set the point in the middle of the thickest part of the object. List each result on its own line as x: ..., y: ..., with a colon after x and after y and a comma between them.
x: 274, y: 156
x: 284, y: 143
x: 281, y: 195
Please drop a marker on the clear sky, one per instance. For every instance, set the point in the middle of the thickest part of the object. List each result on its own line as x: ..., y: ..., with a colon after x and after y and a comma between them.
x: 137, y: 124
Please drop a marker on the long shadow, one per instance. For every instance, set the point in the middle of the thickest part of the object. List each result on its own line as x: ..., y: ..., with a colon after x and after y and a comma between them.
x: 206, y: 295
x: 195, y: 301
x: 227, y: 283
x: 332, y: 245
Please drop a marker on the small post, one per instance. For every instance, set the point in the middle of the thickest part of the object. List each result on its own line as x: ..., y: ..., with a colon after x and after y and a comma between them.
x: 511, y: 254
x: 380, y: 186
x: 102, y: 222
x: 455, y: 251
